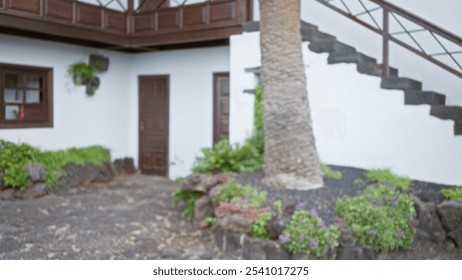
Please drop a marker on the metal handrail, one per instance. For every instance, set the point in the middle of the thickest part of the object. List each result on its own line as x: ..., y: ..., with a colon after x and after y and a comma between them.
x: 393, y: 12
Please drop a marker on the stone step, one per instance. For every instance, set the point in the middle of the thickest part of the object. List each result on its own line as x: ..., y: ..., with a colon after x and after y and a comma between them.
x: 458, y: 128
x: 254, y: 70
x: 250, y: 91
x: 308, y: 30
x: 251, y: 26
x: 447, y: 112
x: 374, y: 69
x: 400, y: 83
x: 356, y: 57
x: 320, y: 37
x: 416, y: 97
x: 330, y: 46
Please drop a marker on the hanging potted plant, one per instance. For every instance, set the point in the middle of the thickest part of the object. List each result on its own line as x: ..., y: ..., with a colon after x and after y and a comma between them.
x: 82, y: 73
x: 92, y: 86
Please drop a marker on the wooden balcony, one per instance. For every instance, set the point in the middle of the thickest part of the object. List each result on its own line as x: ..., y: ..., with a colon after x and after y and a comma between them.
x: 71, y: 21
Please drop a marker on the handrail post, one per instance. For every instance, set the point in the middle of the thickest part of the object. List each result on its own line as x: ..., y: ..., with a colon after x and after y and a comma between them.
x: 130, y: 17
x: 42, y: 8
x: 385, y: 46
x: 238, y: 10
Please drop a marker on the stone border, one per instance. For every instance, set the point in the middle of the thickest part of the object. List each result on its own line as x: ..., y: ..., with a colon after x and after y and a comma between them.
x: 440, y: 224
x: 74, y: 176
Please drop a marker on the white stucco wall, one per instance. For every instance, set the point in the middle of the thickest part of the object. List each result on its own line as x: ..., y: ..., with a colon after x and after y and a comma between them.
x: 242, y: 55
x: 191, y: 96
x: 355, y: 122
x: 110, y: 117
x: 79, y: 120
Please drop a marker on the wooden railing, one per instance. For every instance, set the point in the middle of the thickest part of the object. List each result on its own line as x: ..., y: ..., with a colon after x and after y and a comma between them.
x: 133, y: 24
x: 164, y: 18
x: 378, y: 16
x: 68, y: 12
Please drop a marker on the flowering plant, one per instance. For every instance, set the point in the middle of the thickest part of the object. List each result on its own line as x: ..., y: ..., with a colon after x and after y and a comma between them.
x: 381, y: 217
x: 307, y: 233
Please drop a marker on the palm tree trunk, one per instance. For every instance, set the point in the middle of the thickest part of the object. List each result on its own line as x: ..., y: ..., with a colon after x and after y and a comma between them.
x: 291, y: 160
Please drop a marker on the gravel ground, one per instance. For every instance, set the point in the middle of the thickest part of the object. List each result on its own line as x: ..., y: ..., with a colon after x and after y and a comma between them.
x: 324, y: 200
x: 132, y: 218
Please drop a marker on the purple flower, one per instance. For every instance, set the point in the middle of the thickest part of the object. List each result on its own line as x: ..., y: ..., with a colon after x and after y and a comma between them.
x: 345, y: 196
x: 322, y: 225
x: 358, y: 193
x: 400, y: 234
x: 302, y: 238
x: 314, y: 212
x: 394, y: 201
x: 371, y: 199
x: 299, y: 206
x: 284, y: 238
x: 313, y: 243
x: 409, y: 218
x: 372, y: 232
x: 386, y: 198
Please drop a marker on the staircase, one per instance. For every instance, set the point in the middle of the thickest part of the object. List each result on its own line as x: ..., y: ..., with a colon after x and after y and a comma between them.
x: 413, y: 94
x: 342, y: 53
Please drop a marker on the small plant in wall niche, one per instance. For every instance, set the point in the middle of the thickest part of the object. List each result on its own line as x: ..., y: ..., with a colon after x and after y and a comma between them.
x: 84, y: 74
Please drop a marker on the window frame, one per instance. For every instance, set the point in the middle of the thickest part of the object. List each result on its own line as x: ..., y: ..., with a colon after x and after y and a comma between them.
x: 47, y: 90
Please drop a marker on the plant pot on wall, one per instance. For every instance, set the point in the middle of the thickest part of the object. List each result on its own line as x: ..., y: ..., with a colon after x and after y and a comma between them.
x: 100, y: 62
x: 82, y: 73
x: 92, y: 86
x: 85, y: 74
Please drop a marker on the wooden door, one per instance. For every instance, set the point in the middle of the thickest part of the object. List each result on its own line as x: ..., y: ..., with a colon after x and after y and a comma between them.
x: 220, y: 106
x: 153, y: 124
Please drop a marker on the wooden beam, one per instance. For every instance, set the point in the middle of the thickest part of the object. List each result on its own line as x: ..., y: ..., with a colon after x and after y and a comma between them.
x: 188, y: 36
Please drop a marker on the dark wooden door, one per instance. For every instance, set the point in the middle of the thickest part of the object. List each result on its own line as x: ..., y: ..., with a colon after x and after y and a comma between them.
x: 220, y: 106
x: 153, y: 124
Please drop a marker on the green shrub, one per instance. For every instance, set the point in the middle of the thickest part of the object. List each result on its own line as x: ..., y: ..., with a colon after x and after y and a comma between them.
x: 211, y: 221
x: 330, y: 173
x: 278, y: 206
x: 232, y: 190
x: 257, y: 199
x: 13, y: 157
x: 55, y: 161
x: 257, y: 140
x: 381, y: 217
x: 224, y: 157
x: 258, y: 227
x: 453, y: 193
x: 179, y: 180
x: 189, y: 198
x: 306, y: 233
x: 385, y: 176
x: 359, y: 182
x: 258, y: 108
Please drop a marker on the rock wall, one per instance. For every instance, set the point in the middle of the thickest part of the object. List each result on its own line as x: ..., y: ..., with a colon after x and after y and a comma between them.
x: 438, y: 224
x: 74, y: 176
